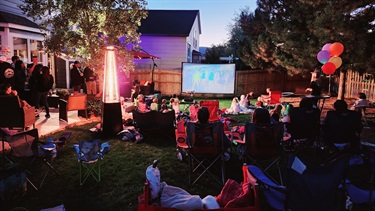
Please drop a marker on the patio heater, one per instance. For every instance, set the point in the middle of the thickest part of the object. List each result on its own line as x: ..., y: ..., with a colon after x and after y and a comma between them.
x: 111, y: 110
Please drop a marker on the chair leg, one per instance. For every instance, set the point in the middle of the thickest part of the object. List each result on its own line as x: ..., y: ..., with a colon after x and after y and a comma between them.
x: 90, y: 170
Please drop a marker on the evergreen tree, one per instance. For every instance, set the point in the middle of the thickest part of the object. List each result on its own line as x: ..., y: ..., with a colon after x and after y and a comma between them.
x: 288, y: 34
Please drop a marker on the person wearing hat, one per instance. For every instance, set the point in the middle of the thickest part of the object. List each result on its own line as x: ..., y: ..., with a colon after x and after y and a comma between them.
x: 77, y: 78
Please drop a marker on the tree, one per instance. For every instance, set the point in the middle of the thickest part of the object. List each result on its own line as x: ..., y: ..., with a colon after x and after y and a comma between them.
x: 288, y: 34
x: 81, y: 28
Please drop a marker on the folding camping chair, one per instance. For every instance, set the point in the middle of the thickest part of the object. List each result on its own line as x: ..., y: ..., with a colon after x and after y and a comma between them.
x: 90, y: 154
x: 205, y: 149
x: 308, y: 187
x: 250, y: 183
x: 213, y: 108
x: 275, y: 99
x: 304, y: 127
x: 263, y: 146
x: 26, y: 151
x: 181, y: 145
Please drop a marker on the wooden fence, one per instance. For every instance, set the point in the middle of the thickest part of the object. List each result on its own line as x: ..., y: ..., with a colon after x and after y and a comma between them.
x: 169, y: 81
x: 356, y: 83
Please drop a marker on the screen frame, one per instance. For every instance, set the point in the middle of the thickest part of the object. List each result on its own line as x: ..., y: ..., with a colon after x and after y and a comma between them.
x: 214, y: 93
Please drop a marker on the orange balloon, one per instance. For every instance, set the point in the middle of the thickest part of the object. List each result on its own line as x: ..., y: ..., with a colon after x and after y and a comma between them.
x: 337, y: 61
x: 329, y: 68
x: 336, y: 49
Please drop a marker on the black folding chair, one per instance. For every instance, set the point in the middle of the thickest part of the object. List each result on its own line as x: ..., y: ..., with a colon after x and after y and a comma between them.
x: 205, y: 143
x: 263, y: 146
x: 26, y: 152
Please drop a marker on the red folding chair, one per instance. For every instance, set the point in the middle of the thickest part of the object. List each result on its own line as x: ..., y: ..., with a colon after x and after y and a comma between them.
x: 275, y: 98
x: 213, y: 108
x: 181, y: 145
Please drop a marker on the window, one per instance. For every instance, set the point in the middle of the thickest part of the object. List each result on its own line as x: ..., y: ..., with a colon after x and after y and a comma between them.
x: 188, y: 53
x: 36, y: 48
x: 195, y: 39
x: 20, y: 48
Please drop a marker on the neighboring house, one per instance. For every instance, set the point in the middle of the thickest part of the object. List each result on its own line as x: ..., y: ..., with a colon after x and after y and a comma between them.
x: 172, y: 35
x: 19, y: 35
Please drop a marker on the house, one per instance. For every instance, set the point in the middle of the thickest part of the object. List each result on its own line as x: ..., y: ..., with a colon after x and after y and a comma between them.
x: 21, y: 36
x: 172, y: 35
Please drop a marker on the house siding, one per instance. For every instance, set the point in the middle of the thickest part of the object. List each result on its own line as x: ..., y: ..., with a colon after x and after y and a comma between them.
x: 171, y: 50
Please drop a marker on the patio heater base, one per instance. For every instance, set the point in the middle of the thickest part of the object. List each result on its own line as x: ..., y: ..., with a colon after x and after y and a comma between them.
x: 111, y: 119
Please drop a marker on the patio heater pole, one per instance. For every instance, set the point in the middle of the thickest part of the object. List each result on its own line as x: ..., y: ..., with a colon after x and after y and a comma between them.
x: 111, y: 111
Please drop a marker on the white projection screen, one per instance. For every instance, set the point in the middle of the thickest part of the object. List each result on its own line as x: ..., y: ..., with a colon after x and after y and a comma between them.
x: 208, y: 78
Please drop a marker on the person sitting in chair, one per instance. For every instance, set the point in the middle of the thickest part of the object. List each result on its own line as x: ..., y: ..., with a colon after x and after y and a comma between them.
x: 6, y: 89
x: 342, y: 127
x: 203, y: 115
x: 193, y: 111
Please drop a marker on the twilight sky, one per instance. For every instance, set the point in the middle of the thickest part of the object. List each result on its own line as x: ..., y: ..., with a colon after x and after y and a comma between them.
x: 216, y: 15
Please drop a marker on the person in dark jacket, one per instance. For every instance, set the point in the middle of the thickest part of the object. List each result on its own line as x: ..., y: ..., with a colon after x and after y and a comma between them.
x: 44, y: 84
x: 77, y: 78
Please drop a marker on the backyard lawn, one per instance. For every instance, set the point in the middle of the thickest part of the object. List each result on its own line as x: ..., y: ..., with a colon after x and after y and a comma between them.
x: 123, y: 173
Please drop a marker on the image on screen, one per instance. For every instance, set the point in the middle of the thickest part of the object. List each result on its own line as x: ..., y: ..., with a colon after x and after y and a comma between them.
x: 208, y: 78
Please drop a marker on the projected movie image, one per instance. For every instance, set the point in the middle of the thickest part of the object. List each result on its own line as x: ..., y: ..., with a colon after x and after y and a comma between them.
x: 208, y: 78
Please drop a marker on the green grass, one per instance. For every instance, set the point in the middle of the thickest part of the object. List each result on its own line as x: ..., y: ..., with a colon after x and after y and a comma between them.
x: 123, y: 174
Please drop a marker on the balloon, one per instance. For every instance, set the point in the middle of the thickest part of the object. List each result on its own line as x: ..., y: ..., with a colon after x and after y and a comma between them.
x: 337, y: 61
x: 336, y: 49
x: 326, y: 47
x: 329, y: 68
x: 323, y: 56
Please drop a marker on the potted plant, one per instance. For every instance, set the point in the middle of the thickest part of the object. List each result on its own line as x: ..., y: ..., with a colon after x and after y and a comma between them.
x: 94, y: 107
x: 63, y: 93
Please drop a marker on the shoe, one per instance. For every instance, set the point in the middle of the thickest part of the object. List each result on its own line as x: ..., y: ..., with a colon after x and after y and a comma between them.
x: 48, y: 116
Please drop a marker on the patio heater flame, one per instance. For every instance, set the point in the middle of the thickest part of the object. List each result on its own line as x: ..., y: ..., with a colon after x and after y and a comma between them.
x: 110, y: 85
x: 111, y: 115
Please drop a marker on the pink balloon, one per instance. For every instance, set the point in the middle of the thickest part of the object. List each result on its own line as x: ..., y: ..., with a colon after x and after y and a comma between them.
x: 326, y: 47
x: 323, y: 56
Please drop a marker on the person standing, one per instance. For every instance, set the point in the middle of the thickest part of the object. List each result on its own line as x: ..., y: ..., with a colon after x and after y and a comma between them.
x: 20, y: 78
x: 90, y: 79
x: 315, y: 88
x: 44, y: 84
x: 77, y: 78
x: 34, y: 70
x: 14, y: 59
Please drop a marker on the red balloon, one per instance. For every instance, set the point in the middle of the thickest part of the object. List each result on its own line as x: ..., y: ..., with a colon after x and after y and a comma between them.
x: 329, y: 68
x: 336, y: 49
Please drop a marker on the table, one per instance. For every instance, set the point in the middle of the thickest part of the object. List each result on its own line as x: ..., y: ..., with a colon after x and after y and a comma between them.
x: 319, y: 97
x: 53, y: 101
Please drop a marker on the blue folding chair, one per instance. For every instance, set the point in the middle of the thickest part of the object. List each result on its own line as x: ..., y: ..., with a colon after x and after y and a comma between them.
x: 90, y: 154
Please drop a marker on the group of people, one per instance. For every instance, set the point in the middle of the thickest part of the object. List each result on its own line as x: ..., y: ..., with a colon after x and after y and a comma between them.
x: 40, y: 81
x: 83, y: 78
x: 241, y: 106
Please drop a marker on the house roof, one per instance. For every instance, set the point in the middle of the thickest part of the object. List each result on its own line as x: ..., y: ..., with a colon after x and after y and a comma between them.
x: 169, y: 22
x: 16, y: 19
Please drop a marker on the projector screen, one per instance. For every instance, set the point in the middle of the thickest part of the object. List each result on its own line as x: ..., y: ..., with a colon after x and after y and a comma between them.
x: 208, y: 78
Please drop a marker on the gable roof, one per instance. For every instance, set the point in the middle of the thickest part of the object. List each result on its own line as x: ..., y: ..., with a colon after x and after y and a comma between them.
x: 169, y: 22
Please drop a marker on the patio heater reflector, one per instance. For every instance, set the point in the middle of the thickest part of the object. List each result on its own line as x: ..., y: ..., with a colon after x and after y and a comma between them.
x: 111, y: 114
